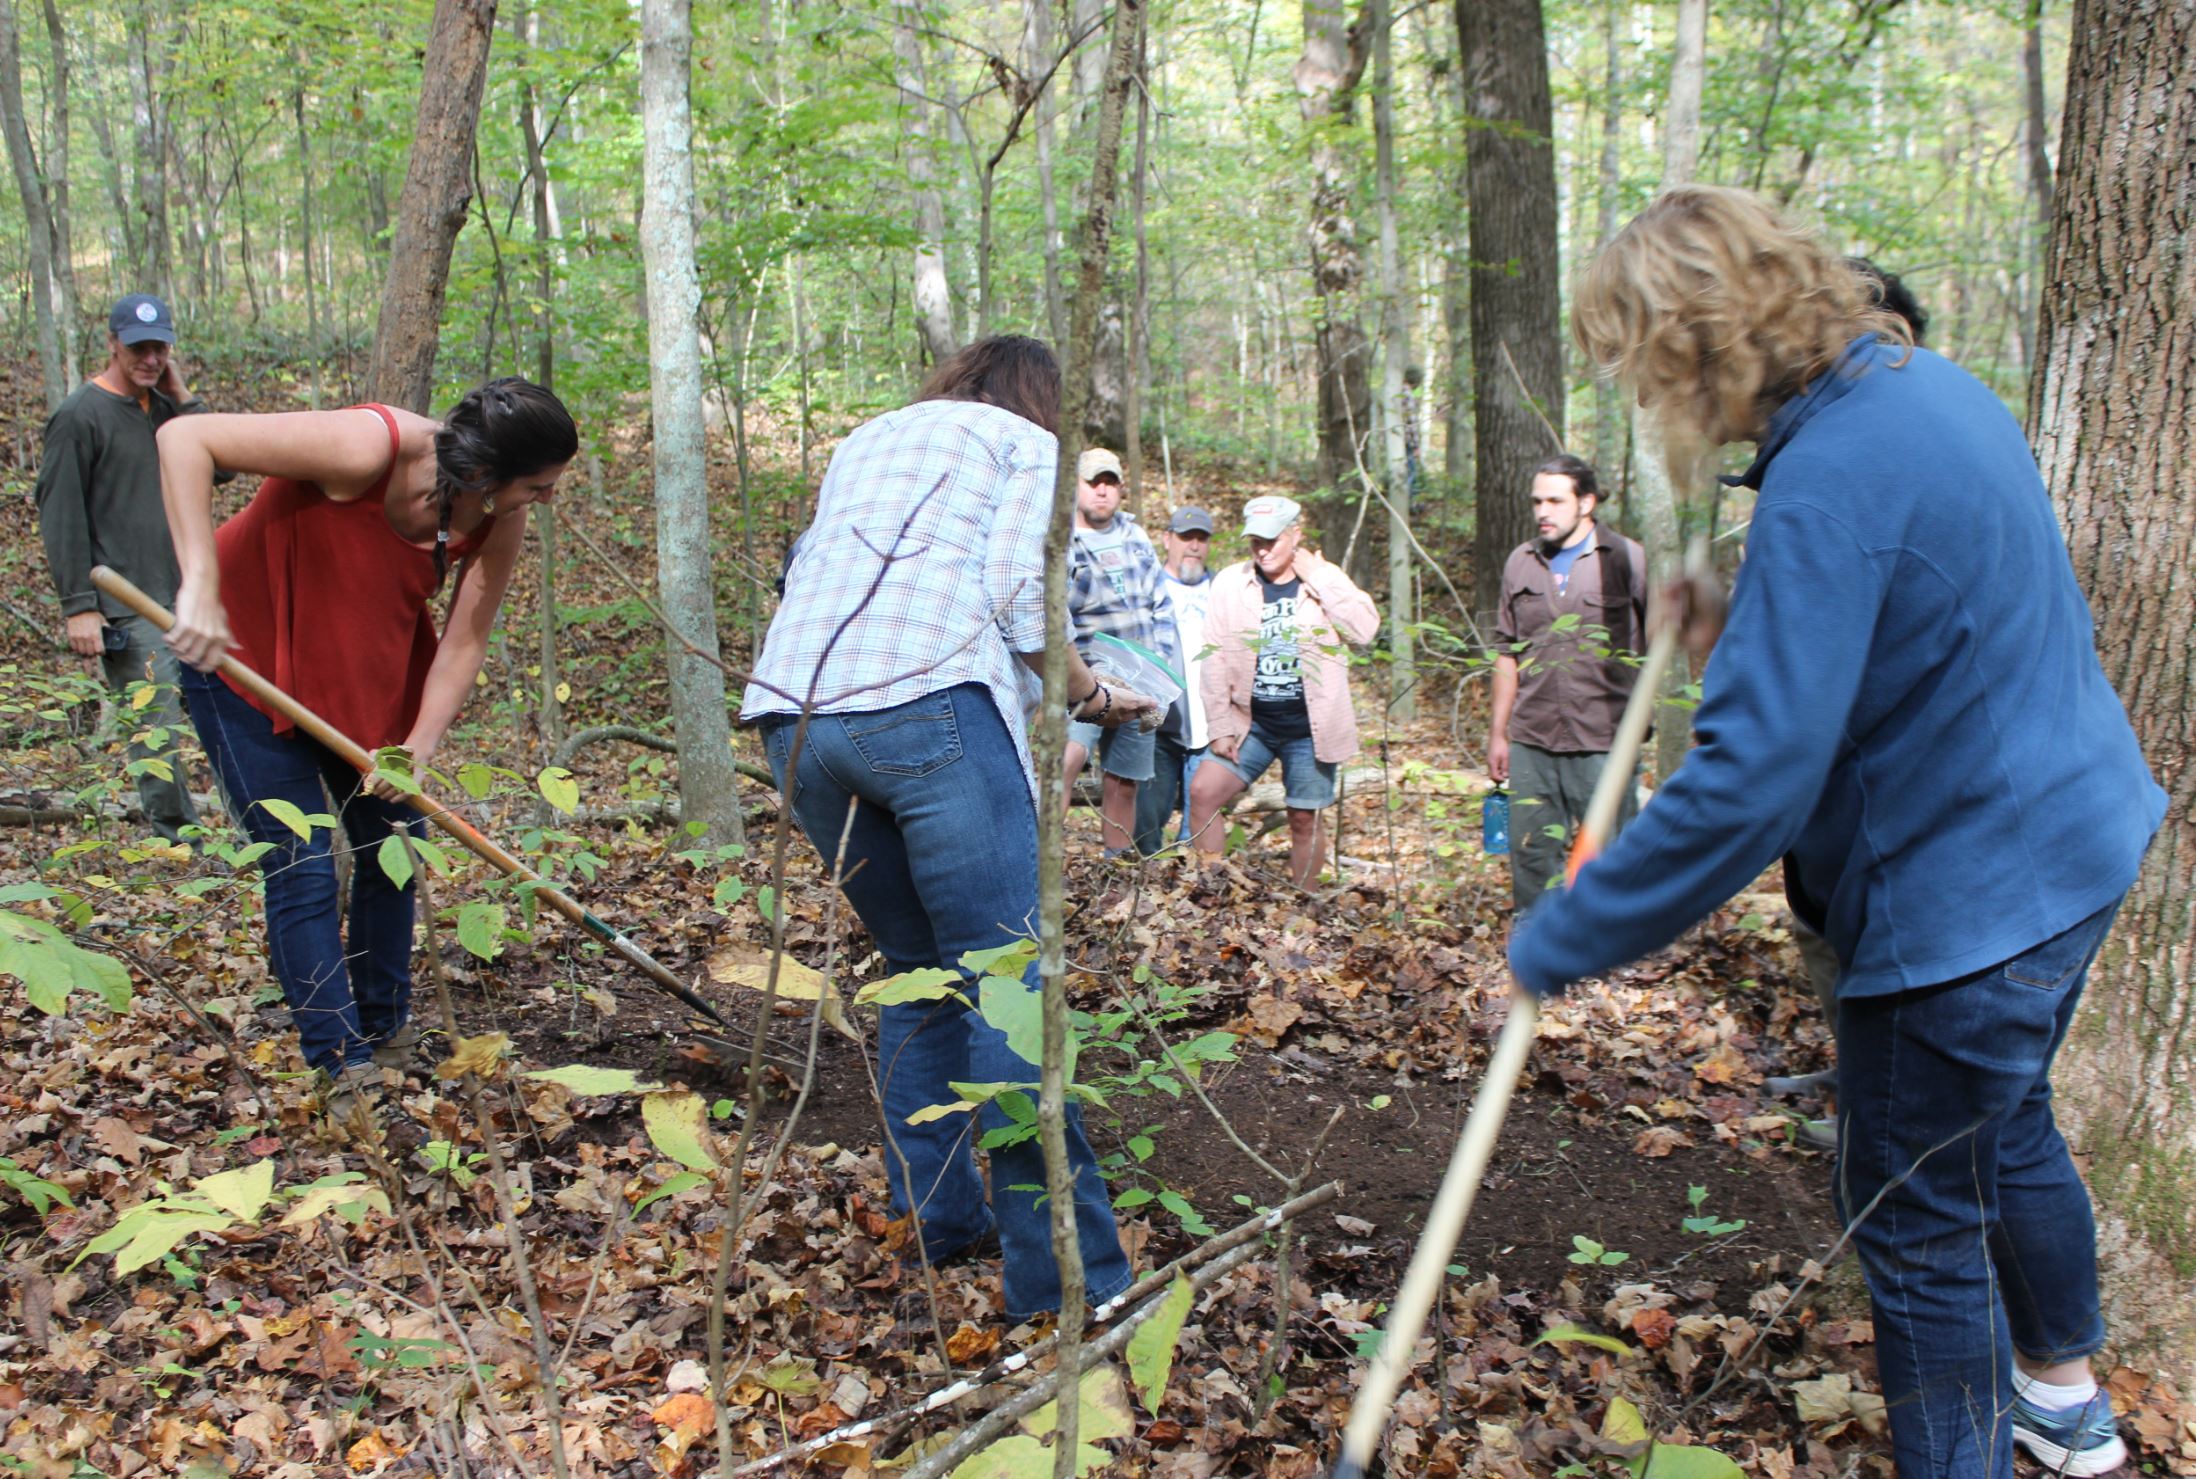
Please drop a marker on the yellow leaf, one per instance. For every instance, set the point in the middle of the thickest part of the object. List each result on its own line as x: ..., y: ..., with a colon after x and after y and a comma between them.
x: 241, y: 1192
x: 141, y: 698
x: 564, y: 693
x: 738, y: 966
x: 678, y: 1126
x: 483, y: 1055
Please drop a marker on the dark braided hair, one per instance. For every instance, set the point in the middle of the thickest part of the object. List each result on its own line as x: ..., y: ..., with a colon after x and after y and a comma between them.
x: 505, y: 430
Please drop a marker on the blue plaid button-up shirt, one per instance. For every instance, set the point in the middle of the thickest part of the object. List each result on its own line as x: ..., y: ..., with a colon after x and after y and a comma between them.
x: 924, y: 568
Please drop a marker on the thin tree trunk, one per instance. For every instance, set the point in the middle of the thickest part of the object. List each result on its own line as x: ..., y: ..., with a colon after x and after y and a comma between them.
x: 305, y: 229
x: 38, y: 224
x: 438, y: 186
x: 933, y: 297
x: 1139, y: 308
x: 528, y: 25
x: 1656, y: 495
x: 1608, y: 407
x: 2035, y: 121
x: 1395, y: 352
x: 148, y: 112
x: 1036, y: 60
x: 708, y: 788
x: 68, y: 307
x: 1517, y: 345
x: 1051, y: 734
x: 2112, y: 409
x: 117, y: 190
x: 1326, y: 77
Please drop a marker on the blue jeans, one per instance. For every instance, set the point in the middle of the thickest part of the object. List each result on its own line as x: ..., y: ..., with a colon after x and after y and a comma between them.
x: 1983, y: 1242
x: 942, y: 859
x: 1125, y: 751
x: 1173, y: 767
x: 166, y: 800
x: 1307, y: 782
x: 342, y: 1000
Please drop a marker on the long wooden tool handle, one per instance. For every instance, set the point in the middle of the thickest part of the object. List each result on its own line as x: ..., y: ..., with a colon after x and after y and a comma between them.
x: 356, y: 755
x: 1423, y: 1281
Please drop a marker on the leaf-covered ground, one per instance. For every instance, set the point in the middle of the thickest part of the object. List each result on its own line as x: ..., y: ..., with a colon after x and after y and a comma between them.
x: 302, y: 1325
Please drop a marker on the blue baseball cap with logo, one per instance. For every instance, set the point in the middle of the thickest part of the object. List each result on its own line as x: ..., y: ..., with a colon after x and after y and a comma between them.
x: 140, y: 317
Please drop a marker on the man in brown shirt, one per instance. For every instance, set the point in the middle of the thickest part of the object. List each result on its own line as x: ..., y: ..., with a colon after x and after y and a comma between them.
x: 1574, y: 606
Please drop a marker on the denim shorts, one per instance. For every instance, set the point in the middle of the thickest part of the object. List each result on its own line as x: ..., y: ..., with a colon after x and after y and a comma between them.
x: 1125, y: 752
x: 1307, y: 782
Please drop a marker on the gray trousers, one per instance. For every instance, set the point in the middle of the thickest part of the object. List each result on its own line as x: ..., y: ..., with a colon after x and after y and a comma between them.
x: 1548, y: 797
x: 166, y: 799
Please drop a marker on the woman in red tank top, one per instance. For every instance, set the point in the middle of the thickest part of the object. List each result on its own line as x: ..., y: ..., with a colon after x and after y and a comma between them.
x: 324, y: 583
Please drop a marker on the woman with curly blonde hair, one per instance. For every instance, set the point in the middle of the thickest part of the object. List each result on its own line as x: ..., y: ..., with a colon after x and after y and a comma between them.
x: 1906, y: 707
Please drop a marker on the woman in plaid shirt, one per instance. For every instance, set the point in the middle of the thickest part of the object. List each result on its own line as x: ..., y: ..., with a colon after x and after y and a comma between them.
x: 908, y: 605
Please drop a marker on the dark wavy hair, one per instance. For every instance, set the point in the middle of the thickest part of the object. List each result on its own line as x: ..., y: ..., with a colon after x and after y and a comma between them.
x: 505, y: 430
x: 1010, y: 371
x: 1894, y: 295
x: 1577, y: 469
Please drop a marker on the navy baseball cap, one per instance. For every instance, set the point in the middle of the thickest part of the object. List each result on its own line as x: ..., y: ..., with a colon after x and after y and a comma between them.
x: 140, y: 317
x: 1190, y: 519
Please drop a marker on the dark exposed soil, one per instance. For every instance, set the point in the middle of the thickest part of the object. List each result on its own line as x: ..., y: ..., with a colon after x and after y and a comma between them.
x: 1559, y: 1172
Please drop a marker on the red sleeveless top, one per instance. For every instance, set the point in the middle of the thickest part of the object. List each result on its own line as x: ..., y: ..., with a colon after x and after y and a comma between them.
x: 332, y: 604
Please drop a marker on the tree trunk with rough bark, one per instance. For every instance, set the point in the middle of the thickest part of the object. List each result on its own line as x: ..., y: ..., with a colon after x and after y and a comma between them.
x: 1326, y: 76
x: 30, y: 184
x: 2112, y: 410
x: 933, y: 298
x: 1517, y: 344
x: 438, y: 185
x: 708, y: 788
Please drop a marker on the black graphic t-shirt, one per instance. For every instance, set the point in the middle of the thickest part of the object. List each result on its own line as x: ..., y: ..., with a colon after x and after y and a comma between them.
x: 1277, y: 684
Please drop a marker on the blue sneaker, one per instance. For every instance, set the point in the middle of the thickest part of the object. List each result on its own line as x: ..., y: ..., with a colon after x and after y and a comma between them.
x: 2079, y: 1441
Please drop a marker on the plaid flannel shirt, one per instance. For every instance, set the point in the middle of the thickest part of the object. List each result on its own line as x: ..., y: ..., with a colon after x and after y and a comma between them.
x: 1141, y: 610
x: 923, y: 570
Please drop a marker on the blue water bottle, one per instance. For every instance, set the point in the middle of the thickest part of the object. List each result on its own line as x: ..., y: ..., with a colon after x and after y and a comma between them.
x: 1494, y: 822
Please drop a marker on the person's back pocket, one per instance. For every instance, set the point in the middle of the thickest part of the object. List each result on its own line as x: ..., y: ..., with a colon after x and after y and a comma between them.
x: 2063, y: 955
x: 915, y: 739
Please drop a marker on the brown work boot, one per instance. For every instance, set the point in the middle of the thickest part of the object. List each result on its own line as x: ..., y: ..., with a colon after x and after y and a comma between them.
x: 359, y: 1108
x: 399, y: 1050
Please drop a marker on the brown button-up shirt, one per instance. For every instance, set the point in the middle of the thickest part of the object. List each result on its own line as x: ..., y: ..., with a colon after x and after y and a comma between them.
x: 1571, y: 685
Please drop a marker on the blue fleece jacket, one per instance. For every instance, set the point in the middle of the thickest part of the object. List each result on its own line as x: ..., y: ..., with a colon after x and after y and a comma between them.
x: 1905, y: 704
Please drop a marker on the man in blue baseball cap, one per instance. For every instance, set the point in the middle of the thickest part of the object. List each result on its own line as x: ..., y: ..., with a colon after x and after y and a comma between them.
x: 99, y: 504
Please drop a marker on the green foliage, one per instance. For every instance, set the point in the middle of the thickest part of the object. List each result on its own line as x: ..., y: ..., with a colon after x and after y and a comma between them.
x: 149, y: 1232
x: 1586, y: 1250
x: 50, y: 966
x: 35, y: 1190
x: 1707, y: 1226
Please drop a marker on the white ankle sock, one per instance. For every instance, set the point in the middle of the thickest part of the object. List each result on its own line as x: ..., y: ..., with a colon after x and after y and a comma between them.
x: 2052, y: 1396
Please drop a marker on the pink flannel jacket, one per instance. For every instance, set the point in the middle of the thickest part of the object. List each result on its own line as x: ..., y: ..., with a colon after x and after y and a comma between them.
x: 1339, y: 613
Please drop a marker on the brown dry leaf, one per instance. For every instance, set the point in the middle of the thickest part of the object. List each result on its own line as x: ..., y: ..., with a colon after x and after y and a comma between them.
x: 968, y: 1345
x: 117, y: 1139
x: 1724, y: 1066
x: 1653, y: 1327
x: 1271, y: 1018
x: 741, y: 965
x: 482, y: 1055
x: 687, y: 1411
x: 369, y: 1452
x: 1659, y: 1141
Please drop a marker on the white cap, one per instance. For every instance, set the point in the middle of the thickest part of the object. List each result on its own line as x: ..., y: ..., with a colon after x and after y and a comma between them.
x: 1265, y: 518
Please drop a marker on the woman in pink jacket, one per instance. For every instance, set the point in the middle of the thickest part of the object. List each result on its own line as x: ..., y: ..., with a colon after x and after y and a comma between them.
x: 1277, y: 685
